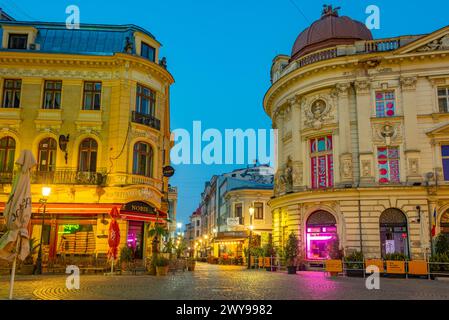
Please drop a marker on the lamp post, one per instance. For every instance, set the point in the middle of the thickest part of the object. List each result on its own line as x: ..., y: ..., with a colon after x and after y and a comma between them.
x: 45, y: 193
x: 251, y: 213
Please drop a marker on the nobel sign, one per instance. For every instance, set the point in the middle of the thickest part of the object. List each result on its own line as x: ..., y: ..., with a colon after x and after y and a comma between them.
x: 139, y: 207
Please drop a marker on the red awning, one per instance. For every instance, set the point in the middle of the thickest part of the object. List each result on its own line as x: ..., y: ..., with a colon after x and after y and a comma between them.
x: 135, y: 216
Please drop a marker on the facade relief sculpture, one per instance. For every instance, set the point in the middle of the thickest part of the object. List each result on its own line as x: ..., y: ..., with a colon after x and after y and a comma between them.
x: 317, y: 113
x: 438, y: 44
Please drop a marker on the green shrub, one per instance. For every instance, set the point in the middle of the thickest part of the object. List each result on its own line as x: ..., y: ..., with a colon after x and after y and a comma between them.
x: 444, y: 258
x: 126, y: 254
x: 268, y: 250
x: 291, y: 250
x: 442, y: 244
x: 162, y: 262
x: 354, y: 261
x: 395, y: 257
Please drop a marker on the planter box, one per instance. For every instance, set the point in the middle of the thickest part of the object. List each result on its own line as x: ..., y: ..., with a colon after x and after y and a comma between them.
x: 162, y: 271
x: 291, y: 270
x: 355, y: 273
x: 396, y: 267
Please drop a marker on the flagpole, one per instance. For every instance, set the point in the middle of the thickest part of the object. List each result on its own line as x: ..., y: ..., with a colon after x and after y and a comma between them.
x: 13, y: 271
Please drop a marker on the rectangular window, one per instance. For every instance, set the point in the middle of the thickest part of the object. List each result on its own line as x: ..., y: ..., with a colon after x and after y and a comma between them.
x: 238, y: 212
x: 443, y: 99
x: 445, y: 159
x: 18, y: 41
x: 258, y: 210
x: 145, y: 101
x: 388, y: 164
x: 148, y: 52
x: 198, y: 223
x: 92, y: 96
x: 11, y: 93
x: 385, y: 104
x: 52, y: 95
x: 322, y: 162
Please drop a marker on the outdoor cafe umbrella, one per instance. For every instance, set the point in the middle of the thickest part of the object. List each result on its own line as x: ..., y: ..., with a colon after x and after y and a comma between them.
x: 15, y: 242
x: 114, y: 237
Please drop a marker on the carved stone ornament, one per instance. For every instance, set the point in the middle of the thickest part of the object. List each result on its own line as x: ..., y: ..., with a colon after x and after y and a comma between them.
x: 362, y: 86
x: 366, y: 168
x: 387, y: 133
x: 438, y: 44
x: 408, y: 83
x: 297, y: 174
x: 318, y: 113
x: 413, y: 166
x: 346, y: 167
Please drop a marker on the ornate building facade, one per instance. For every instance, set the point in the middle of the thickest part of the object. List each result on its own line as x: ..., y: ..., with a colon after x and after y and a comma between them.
x: 363, y: 139
x: 93, y: 106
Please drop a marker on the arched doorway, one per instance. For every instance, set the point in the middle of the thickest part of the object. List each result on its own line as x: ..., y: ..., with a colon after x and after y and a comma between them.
x: 321, y: 230
x: 444, y: 223
x: 393, y: 232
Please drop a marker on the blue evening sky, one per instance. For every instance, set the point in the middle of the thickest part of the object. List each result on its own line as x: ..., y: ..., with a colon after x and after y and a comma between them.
x: 220, y: 53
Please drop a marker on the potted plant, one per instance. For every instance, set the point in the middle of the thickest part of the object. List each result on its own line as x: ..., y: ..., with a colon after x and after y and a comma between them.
x: 126, y: 256
x: 27, y: 266
x: 291, y: 252
x: 191, y: 263
x: 162, y: 266
x: 354, y: 264
x: 439, y: 265
x: 442, y: 244
x: 269, y: 253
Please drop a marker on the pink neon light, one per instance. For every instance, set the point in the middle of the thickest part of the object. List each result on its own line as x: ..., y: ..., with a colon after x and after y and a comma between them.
x: 315, y: 238
x: 324, y: 229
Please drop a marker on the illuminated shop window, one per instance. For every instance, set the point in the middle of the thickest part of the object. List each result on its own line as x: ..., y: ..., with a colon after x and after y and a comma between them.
x: 388, y: 164
x: 385, y: 104
x: 321, y: 232
x: 322, y: 163
x: 393, y: 232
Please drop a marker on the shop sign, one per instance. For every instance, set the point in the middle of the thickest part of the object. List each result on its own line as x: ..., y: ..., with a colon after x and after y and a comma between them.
x: 396, y: 267
x: 70, y: 228
x: 168, y: 171
x: 233, y: 222
x: 418, y: 268
x: 334, y: 266
x: 139, y: 207
x: 375, y: 262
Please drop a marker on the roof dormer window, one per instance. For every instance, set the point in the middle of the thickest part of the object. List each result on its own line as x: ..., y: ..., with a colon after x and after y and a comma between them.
x: 148, y: 52
x: 18, y: 41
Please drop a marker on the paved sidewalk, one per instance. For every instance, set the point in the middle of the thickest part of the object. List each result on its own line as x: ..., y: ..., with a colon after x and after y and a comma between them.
x: 210, y: 282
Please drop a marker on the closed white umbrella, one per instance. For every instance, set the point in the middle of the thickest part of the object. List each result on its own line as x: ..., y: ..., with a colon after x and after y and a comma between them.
x: 15, y: 242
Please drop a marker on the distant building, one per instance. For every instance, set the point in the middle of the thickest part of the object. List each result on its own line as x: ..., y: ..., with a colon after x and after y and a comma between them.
x: 224, y: 211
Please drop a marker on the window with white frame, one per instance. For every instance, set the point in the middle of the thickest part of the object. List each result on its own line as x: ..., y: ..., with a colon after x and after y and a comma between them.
x: 443, y: 99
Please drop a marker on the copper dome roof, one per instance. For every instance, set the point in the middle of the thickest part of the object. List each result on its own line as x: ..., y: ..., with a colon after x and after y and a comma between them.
x: 329, y: 31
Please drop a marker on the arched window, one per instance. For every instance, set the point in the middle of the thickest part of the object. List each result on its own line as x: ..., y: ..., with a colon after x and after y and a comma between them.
x: 444, y: 223
x: 393, y: 232
x: 321, y: 231
x: 87, y: 160
x: 143, y: 159
x: 7, y: 151
x: 47, y: 155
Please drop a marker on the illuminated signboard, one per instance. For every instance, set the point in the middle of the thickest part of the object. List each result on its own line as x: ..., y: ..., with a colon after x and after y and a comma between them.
x: 70, y: 228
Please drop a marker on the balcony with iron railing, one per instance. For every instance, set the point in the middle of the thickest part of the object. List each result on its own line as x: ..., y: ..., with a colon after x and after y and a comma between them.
x: 65, y: 176
x: 146, y: 120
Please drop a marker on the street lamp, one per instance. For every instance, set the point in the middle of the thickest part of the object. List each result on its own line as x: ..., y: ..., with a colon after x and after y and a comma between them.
x: 251, y: 227
x: 45, y: 194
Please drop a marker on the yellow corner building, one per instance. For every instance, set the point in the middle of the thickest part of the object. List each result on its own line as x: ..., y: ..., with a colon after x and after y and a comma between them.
x: 93, y: 106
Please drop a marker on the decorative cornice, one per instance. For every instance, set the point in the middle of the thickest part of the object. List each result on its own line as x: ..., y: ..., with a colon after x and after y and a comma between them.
x: 408, y: 83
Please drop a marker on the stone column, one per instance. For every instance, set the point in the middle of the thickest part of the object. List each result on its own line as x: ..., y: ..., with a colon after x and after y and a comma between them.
x: 412, y: 153
x: 364, y: 113
x: 297, y: 163
x: 344, y: 129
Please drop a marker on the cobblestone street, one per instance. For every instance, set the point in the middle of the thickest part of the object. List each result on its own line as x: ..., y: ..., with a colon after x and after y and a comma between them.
x: 222, y: 282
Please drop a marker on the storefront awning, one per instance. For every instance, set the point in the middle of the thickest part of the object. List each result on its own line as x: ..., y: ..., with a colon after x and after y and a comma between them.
x: 135, y: 216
